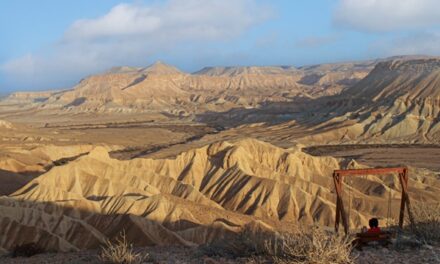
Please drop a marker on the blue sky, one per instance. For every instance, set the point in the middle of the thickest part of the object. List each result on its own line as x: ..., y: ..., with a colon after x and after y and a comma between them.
x: 51, y: 44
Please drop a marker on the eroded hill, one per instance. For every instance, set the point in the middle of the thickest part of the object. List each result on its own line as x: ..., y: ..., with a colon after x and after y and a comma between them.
x: 399, y: 102
x: 201, y: 195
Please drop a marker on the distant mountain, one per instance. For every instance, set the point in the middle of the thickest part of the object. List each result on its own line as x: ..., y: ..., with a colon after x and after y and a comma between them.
x: 398, y: 101
x: 30, y: 96
x: 400, y: 79
x: 152, y: 87
x: 164, y: 88
x: 234, y: 71
x: 378, y: 100
x: 156, y: 68
x: 161, y: 68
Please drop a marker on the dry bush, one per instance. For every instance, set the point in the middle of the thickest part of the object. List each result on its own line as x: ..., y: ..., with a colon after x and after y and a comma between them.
x: 427, y: 221
x: 245, y: 244
x: 120, y: 251
x: 305, y: 246
x: 26, y: 250
x: 313, y: 246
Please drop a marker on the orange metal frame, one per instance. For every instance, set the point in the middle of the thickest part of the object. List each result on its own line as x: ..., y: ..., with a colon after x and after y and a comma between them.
x: 338, y: 179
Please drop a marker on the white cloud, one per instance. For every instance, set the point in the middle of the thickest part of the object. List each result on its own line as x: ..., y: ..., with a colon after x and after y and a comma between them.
x: 129, y: 34
x: 122, y: 20
x: 387, y: 15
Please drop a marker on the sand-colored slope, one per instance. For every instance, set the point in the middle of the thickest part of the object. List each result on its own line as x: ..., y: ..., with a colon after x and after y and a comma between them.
x: 19, y: 165
x: 5, y: 124
x: 399, y: 101
x: 136, y: 88
x: 405, y: 79
x: 35, y: 159
x: 30, y: 96
x: 235, y: 71
x: 201, y: 195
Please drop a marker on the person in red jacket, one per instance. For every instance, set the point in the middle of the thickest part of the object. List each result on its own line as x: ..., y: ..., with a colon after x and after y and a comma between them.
x: 374, y: 226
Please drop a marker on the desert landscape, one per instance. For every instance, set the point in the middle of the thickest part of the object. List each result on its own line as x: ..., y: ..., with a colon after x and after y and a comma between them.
x: 140, y: 160
x: 233, y: 149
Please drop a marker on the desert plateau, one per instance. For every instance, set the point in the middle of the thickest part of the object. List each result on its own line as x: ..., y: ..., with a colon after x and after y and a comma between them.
x: 183, y: 162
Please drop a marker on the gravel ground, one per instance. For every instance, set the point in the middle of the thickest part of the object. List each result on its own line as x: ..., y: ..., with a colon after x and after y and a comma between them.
x: 183, y: 255
x: 425, y: 254
x: 159, y: 255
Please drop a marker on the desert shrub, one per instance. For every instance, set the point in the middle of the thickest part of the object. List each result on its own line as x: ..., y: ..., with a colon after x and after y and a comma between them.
x: 26, y: 250
x: 245, y: 244
x: 121, y: 251
x: 310, y: 246
x: 427, y: 221
x: 304, y: 246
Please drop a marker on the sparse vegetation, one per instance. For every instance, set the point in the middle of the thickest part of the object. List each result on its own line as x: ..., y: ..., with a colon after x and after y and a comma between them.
x: 304, y: 246
x: 26, y: 250
x: 121, y: 251
x: 427, y: 221
x: 314, y: 246
x: 245, y: 244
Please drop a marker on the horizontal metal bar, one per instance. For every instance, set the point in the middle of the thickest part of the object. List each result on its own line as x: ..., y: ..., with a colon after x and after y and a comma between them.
x: 370, y: 171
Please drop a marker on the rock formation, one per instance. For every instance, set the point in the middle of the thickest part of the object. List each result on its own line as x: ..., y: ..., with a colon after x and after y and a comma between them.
x: 399, y: 101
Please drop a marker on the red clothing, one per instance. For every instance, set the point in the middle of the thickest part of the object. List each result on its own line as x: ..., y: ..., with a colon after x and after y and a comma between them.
x: 374, y: 230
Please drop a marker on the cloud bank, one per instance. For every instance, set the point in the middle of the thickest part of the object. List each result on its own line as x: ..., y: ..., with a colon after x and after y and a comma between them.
x: 387, y: 15
x: 131, y: 34
x: 401, y: 27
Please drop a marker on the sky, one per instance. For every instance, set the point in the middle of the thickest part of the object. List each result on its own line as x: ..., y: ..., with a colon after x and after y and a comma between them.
x: 52, y: 44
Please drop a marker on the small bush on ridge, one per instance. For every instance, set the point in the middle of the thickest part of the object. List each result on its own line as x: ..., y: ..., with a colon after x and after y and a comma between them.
x: 120, y: 251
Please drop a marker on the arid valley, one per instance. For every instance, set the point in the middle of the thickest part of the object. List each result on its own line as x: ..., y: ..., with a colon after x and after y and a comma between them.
x: 189, y: 159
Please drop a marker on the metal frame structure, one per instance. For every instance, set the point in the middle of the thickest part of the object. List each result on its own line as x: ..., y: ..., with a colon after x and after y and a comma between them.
x: 338, y: 179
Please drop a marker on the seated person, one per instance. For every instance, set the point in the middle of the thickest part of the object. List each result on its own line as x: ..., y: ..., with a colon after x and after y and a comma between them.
x: 374, y: 226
